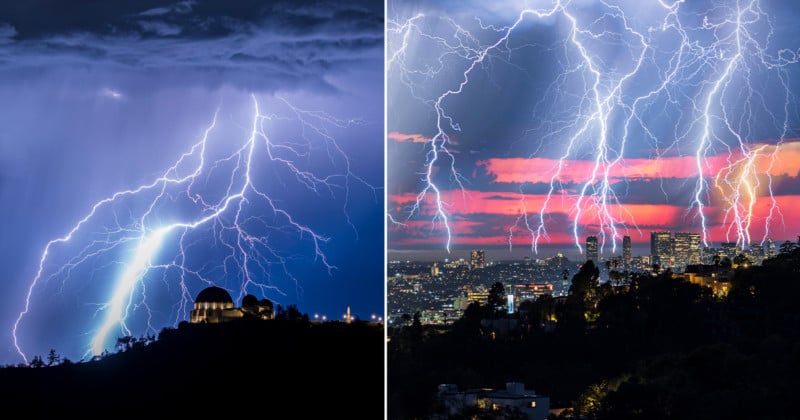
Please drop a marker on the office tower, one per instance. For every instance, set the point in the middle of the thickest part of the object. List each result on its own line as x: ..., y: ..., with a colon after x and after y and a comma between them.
x: 591, y: 249
x: 686, y: 249
x: 626, y: 250
x: 660, y: 248
x: 477, y: 259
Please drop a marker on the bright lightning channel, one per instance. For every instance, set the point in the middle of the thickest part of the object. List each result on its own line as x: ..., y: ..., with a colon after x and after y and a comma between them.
x: 633, y: 74
x: 226, y: 213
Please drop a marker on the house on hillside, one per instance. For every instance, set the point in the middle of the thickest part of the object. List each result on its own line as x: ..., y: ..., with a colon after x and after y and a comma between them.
x: 514, y: 397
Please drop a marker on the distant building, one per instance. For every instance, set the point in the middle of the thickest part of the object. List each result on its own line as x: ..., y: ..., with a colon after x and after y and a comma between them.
x: 214, y: 305
x: 591, y: 249
x: 715, y: 277
x: 661, y: 249
x: 686, y: 249
x: 532, y: 291
x: 477, y: 259
x: 514, y: 397
x: 626, y: 250
x: 730, y: 249
x: 479, y: 296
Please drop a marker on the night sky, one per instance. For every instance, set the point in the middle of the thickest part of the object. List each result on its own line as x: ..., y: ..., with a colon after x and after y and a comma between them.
x: 101, y: 97
x: 544, y: 126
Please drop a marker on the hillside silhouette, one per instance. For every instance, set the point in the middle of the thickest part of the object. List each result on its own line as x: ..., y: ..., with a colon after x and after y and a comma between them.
x: 248, y: 366
x: 653, y: 347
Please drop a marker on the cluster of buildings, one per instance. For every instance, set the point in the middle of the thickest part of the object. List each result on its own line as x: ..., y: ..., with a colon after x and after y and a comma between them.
x: 214, y: 305
x: 442, y: 290
x: 679, y: 251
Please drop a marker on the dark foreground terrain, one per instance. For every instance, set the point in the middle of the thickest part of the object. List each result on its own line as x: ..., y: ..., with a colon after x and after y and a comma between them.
x: 269, y: 369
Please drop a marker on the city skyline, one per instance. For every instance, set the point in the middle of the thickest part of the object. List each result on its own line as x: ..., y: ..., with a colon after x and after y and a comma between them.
x: 638, y: 249
x: 536, y: 127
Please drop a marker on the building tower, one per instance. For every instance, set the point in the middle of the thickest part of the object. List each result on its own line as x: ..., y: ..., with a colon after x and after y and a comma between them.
x: 591, y: 249
x: 687, y: 249
x: 626, y: 250
x: 477, y: 259
x: 660, y: 248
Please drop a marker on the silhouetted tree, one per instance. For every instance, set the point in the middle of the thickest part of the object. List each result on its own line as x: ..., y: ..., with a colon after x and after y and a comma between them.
x: 417, y: 323
x: 536, y: 312
x: 585, y: 281
x: 293, y: 314
x: 124, y: 343
x: 37, y: 362
x: 53, y: 358
x: 280, y: 313
x: 497, y: 298
x: 725, y: 262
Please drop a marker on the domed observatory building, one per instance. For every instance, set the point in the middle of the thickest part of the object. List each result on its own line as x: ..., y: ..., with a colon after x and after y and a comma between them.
x: 257, y: 308
x: 214, y: 305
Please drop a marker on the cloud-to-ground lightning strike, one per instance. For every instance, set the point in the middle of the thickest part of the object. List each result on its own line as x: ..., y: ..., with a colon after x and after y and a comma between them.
x: 212, y: 218
x: 688, y: 82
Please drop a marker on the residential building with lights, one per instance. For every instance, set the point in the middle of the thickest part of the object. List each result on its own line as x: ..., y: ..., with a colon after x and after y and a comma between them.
x: 514, y: 396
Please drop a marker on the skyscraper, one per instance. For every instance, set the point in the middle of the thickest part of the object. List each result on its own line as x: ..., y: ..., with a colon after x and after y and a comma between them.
x: 591, y: 249
x: 477, y: 259
x: 626, y: 249
x: 660, y: 248
x: 686, y: 249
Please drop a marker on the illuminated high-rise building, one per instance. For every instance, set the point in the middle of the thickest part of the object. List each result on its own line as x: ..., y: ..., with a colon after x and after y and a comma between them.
x: 591, y: 249
x: 686, y: 249
x: 477, y: 259
x: 660, y: 248
x: 626, y: 249
x: 770, y: 248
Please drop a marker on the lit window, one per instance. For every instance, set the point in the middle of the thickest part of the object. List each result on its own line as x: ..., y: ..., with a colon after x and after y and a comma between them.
x: 496, y: 407
x: 533, y: 404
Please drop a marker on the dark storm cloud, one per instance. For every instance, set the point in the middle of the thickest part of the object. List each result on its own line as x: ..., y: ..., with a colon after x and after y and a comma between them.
x: 783, y: 185
x: 261, y: 45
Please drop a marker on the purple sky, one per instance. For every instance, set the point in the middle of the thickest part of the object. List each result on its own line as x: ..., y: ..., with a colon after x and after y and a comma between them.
x: 98, y: 97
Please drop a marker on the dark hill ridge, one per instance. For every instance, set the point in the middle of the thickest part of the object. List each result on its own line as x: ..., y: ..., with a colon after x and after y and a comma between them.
x: 298, y: 368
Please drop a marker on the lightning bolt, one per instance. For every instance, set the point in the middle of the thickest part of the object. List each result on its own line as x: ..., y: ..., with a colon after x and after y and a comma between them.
x: 215, y: 217
x: 624, y: 71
